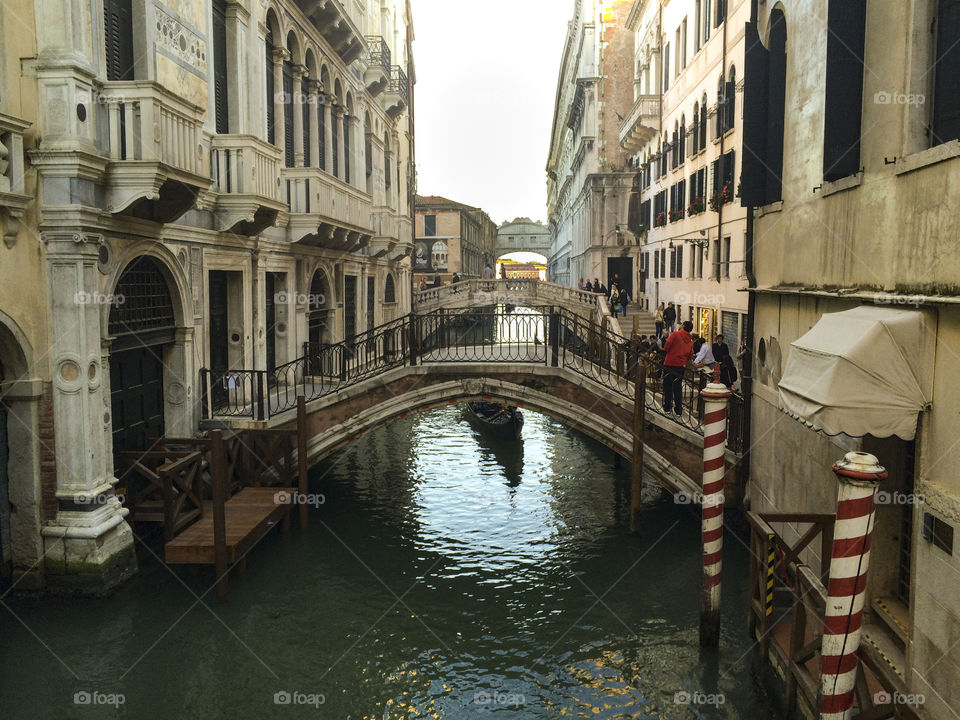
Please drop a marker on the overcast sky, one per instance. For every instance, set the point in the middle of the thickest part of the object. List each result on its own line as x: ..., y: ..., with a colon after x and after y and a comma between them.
x: 486, y: 83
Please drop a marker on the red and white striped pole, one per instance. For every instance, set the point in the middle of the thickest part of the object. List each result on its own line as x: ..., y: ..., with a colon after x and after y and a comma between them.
x: 858, y: 474
x: 715, y: 397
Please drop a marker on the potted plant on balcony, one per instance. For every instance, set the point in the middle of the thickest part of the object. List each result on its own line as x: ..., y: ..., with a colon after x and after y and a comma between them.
x: 676, y: 215
x: 696, y: 205
x: 661, y: 219
x: 721, y: 196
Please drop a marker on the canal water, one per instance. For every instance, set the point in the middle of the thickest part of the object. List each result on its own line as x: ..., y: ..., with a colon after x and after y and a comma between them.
x: 444, y: 575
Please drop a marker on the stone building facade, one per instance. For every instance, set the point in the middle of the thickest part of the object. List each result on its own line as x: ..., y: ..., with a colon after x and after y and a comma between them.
x: 451, y: 238
x: 852, y: 168
x: 205, y: 184
x: 684, y: 134
x: 588, y: 175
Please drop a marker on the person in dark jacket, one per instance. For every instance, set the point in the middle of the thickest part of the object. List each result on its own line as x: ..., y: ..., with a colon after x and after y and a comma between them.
x: 670, y: 318
x: 720, y: 349
x: 728, y: 371
x: 588, y: 287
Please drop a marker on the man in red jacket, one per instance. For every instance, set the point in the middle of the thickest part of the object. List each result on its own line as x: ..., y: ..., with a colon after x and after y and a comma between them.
x: 679, y: 347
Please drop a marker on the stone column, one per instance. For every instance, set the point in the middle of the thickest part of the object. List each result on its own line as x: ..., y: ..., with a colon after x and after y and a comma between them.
x: 238, y: 20
x: 327, y: 135
x: 313, y: 98
x: 279, y: 100
x: 858, y: 475
x: 296, y: 106
x: 88, y: 547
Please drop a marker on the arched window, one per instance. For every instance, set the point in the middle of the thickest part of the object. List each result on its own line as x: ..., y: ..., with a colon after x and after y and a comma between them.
x: 682, y: 147
x: 695, y: 130
x: 146, y: 306
x: 675, y: 146
x: 348, y: 121
x: 322, y: 161
x: 721, y: 108
x: 438, y: 256
x: 730, y: 98
x: 271, y: 90
x: 389, y: 291
x: 703, y: 121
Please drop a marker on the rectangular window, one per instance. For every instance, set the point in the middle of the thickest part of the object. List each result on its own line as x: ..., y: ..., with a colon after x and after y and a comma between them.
x: 666, y: 67
x: 680, y: 261
x: 680, y: 60
x: 726, y: 257
x: 697, y: 15
x: 706, y: 20
x: 945, y: 125
x: 673, y: 262
x: 220, y: 65
x: 721, y: 11
x: 118, y: 34
x: 846, y: 31
x: 683, y: 43
x: 429, y: 225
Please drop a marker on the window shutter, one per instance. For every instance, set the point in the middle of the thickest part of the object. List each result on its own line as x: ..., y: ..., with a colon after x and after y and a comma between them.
x: 322, y: 133
x: 946, y: 101
x: 680, y: 261
x: 118, y: 39
x: 846, y: 28
x: 271, y: 91
x: 730, y: 98
x: 306, y: 134
x: 288, y: 113
x: 776, y: 103
x: 221, y: 99
x: 755, y: 112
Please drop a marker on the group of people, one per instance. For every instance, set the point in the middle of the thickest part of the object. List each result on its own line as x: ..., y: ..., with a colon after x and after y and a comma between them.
x: 684, y: 347
x: 618, y: 296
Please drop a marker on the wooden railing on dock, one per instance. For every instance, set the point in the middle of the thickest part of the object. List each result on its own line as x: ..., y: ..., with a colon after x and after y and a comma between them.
x: 216, y: 496
x: 786, y: 615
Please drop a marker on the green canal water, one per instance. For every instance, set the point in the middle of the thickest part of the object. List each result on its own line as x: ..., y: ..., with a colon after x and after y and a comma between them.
x: 445, y: 575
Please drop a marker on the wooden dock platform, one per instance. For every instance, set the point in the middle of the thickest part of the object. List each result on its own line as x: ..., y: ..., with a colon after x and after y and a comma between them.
x: 248, y: 516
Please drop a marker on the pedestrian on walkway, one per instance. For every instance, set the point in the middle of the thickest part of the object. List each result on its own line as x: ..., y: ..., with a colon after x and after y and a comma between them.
x: 703, y: 354
x: 720, y: 349
x: 588, y: 287
x: 670, y: 318
x: 679, y: 347
x: 580, y: 284
x: 659, y: 321
x: 614, y: 300
x: 488, y: 272
x: 728, y: 372
x: 624, y: 301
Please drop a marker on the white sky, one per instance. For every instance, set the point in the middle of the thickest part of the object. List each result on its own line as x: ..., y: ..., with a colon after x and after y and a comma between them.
x: 486, y: 83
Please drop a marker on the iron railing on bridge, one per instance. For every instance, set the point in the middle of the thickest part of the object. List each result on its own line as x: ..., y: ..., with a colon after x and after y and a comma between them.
x: 539, y: 335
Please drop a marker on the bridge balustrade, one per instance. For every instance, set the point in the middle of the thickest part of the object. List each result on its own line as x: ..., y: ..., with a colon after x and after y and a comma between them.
x: 545, y: 335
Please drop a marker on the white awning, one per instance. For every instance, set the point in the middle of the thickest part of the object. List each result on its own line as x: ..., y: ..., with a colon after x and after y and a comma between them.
x: 863, y: 371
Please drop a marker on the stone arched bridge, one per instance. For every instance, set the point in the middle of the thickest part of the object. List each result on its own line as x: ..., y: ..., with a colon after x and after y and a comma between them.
x: 545, y: 359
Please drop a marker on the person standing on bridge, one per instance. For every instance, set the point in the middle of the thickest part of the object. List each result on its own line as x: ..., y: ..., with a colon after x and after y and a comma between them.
x: 588, y: 287
x: 580, y: 284
x: 679, y: 347
x: 614, y: 299
x: 659, y: 321
x: 670, y: 318
x: 488, y: 272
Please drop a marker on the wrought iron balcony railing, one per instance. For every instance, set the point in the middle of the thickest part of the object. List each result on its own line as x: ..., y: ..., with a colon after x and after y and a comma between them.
x: 399, y: 84
x: 378, y: 52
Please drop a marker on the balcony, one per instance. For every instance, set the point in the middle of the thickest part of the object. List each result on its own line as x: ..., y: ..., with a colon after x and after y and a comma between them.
x: 641, y: 123
x: 377, y: 75
x: 397, y: 97
x: 386, y: 226
x: 246, y: 177
x: 13, y: 199
x: 326, y: 212
x: 157, y: 164
x: 337, y: 25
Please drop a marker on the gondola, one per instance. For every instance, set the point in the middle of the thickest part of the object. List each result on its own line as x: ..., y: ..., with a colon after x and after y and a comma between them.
x: 499, y: 420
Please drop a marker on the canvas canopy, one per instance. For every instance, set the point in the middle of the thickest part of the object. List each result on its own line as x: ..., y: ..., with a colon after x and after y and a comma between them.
x: 863, y: 371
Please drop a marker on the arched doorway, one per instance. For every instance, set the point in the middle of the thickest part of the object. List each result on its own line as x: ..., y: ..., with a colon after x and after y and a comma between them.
x: 143, y: 325
x: 319, y: 316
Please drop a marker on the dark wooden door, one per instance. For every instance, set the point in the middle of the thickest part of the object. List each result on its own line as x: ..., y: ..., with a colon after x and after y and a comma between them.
x: 349, y: 307
x: 271, y: 320
x: 624, y: 268
x: 136, y: 397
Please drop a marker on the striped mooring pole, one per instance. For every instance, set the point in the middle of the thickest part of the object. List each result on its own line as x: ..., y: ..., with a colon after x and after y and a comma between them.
x: 715, y: 397
x: 858, y: 474
x: 771, y: 571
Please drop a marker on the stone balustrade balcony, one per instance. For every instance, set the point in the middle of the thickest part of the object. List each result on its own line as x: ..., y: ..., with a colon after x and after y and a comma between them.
x: 641, y: 123
x: 246, y: 177
x: 325, y: 211
x: 153, y: 141
x: 13, y: 199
